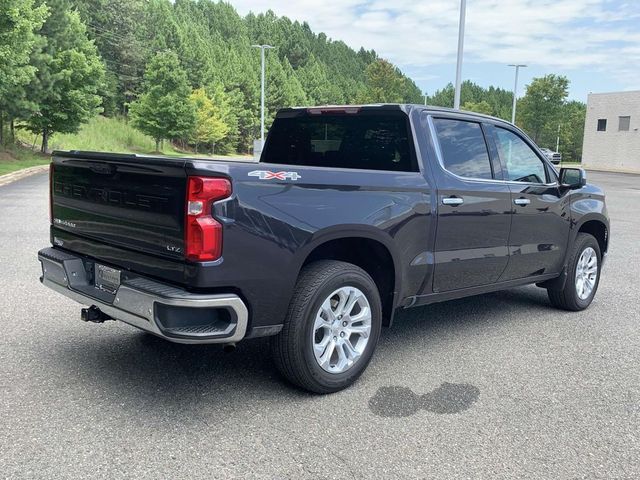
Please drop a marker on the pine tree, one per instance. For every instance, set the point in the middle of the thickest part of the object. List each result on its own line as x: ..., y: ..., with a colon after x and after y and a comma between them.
x: 385, y: 84
x: 69, y: 74
x: 164, y: 111
x: 117, y: 27
x: 19, y: 22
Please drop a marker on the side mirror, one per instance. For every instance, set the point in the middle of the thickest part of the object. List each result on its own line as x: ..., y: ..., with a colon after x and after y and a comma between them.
x: 573, y: 178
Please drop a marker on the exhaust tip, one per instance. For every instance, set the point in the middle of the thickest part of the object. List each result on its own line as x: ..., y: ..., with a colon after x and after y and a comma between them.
x: 229, y: 347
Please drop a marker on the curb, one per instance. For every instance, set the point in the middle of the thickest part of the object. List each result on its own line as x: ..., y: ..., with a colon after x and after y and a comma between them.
x: 25, y: 172
x: 612, y: 170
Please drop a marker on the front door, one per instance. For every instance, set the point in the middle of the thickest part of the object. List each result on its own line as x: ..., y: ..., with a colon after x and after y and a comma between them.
x: 474, y: 208
x: 541, y: 217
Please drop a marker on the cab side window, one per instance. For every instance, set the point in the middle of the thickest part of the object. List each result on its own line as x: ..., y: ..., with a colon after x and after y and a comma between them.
x: 464, y: 150
x: 522, y: 163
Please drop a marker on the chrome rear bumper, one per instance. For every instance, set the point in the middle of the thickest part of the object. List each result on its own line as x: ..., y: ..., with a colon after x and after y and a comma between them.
x: 164, y: 310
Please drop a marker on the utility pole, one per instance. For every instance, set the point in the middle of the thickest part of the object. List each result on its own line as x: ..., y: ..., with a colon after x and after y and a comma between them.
x: 262, y: 49
x: 558, y: 140
x: 515, y: 92
x: 456, y: 99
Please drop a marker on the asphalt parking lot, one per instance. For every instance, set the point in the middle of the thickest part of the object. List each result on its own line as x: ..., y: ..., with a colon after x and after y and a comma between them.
x: 498, y: 386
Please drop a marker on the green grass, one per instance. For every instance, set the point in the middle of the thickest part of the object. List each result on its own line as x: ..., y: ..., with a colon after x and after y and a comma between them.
x: 103, y: 134
x: 14, y: 158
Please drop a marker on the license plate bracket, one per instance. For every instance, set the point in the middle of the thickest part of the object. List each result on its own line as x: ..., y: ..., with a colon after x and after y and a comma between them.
x: 107, y: 279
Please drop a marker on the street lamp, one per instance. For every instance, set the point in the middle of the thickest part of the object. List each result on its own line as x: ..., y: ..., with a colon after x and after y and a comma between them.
x: 456, y: 98
x: 262, y: 49
x: 515, y: 92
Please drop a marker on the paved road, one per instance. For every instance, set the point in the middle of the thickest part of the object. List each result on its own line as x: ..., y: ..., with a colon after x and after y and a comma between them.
x: 500, y: 386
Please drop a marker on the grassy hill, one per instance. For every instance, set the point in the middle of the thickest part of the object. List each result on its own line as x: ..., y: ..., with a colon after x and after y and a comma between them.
x: 105, y: 135
x: 14, y: 158
x: 100, y: 134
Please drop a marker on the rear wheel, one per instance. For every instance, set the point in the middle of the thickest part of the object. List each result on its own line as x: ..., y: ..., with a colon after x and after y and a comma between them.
x: 331, y: 329
x: 583, y: 275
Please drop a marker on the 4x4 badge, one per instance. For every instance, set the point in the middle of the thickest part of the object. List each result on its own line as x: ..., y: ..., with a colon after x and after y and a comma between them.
x: 267, y: 175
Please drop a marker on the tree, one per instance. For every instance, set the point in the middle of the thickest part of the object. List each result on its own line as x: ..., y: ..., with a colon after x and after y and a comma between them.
x: 69, y: 74
x: 209, y: 126
x: 471, y: 94
x: 478, y: 107
x: 540, y: 109
x: 384, y: 84
x: 314, y: 81
x: 164, y: 110
x: 283, y: 89
x: 19, y: 22
x: 572, y: 130
x: 118, y: 30
x: 212, y: 42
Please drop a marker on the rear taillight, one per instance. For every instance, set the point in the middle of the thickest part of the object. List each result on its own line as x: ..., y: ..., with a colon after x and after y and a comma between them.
x: 51, y: 193
x: 203, y: 233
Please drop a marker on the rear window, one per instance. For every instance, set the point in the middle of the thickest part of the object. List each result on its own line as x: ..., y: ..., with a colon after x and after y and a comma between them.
x: 374, y: 141
x: 463, y: 148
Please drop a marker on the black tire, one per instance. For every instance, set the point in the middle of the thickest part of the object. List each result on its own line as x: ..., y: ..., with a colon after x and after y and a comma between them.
x: 567, y: 298
x: 293, y: 347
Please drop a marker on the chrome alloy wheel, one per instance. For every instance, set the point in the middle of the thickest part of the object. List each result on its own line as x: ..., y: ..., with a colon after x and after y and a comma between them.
x: 341, y: 329
x: 586, y: 273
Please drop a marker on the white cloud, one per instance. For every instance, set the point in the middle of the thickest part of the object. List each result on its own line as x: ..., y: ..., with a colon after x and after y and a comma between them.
x: 601, y: 35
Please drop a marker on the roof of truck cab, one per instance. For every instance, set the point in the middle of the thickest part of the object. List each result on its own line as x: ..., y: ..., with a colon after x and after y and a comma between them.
x: 405, y: 107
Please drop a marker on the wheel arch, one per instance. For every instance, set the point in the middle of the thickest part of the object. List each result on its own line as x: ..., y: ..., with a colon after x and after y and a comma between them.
x: 370, y: 249
x: 599, y: 228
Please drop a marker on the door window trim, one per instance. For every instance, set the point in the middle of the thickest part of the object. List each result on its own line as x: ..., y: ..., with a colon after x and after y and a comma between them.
x: 440, y: 157
x: 545, y: 163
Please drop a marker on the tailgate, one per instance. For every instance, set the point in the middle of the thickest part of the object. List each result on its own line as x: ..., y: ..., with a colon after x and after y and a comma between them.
x: 122, y: 200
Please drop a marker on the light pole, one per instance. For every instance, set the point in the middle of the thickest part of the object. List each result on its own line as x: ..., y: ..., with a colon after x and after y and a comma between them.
x: 262, y: 49
x: 456, y: 98
x: 558, y: 140
x: 425, y: 98
x: 515, y: 92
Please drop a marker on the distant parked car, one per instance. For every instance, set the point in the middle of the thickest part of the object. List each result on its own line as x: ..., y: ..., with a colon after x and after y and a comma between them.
x: 554, y: 157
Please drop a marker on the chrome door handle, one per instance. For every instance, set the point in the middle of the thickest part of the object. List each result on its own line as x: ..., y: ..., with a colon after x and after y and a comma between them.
x: 453, y: 201
x: 522, y: 201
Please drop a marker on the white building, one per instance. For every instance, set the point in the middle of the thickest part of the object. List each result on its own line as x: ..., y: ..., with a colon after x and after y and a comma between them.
x: 612, y: 131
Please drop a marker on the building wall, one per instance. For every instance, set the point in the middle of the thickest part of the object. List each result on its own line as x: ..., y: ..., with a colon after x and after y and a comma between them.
x: 612, y: 148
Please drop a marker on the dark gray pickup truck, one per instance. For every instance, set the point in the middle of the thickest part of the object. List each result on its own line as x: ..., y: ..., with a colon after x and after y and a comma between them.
x: 352, y: 213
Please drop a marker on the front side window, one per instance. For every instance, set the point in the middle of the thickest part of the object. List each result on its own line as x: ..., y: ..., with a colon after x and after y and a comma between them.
x: 464, y: 150
x: 522, y: 164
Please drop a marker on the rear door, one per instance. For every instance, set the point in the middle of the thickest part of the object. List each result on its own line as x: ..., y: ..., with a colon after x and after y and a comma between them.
x: 541, y: 221
x: 474, y: 208
x: 121, y: 200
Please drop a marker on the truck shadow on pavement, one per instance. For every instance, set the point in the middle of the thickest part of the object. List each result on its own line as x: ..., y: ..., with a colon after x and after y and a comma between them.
x: 130, y: 368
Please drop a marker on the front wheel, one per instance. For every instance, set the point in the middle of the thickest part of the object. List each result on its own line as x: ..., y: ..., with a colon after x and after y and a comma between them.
x: 583, y: 275
x: 331, y: 329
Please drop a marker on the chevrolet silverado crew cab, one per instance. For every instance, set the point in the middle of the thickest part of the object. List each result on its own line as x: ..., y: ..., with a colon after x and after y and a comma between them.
x: 351, y: 214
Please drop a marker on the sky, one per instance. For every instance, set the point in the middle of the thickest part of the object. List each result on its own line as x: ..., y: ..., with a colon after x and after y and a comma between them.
x: 595, y: 43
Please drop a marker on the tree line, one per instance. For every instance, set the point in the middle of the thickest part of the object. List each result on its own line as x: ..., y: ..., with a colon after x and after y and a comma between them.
x: 543, y: 112
x: 185, y: 71
x: 182, y: 71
